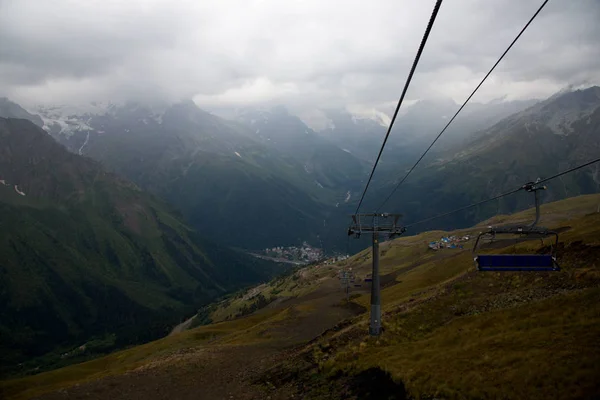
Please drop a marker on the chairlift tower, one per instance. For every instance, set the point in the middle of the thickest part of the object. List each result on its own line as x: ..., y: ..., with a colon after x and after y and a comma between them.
x: 375, y: 224
x: 346, y: 278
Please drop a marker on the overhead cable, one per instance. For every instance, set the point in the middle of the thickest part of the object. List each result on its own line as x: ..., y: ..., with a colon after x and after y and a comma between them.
x: 502, y: 195
x: 436, y: 8
x: 568, y: 171
x: 463, y: 105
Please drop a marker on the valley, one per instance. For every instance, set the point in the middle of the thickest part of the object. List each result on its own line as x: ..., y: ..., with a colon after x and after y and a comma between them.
x: 268, y: 168
x: 449, y: 331
x: 154, y: 213
x: 88, y: 259
x: 271, y: 200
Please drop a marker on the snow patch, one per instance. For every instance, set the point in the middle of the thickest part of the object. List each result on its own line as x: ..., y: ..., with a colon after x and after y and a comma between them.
x: 348, y: 196
x: 84, y: 144
x: 360, y: 114
x: 57, y: 111
x: 68, y: 124
x: 18, y: 191
x: 318, y: 184
x: 237, y: 154
x: 347, y: 151
x: 68, y: 119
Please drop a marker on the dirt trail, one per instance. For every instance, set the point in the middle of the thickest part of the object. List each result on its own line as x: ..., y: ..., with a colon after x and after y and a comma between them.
x: 222, y: 370
x: 182, y: 326
x: 216, y: 373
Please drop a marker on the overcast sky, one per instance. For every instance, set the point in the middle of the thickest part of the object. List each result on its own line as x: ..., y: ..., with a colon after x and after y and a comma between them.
x: 312, y: 53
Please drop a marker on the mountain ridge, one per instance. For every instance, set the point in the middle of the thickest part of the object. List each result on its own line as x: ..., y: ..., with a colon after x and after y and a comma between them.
x: 86, y: 253
x: 216, y: 171
x: 516, y: 150
x: 212, y: 170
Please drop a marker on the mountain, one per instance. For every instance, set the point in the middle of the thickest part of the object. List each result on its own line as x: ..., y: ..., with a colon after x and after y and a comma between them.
x: 549, y: 137
x: 424, y: 119
x: 328, y: 164
x: 85, y: 253
x: 9, y: 109
x: 416, y: 125
x: 268, y: 169
x: 226, y: 182
x: 359, y: 136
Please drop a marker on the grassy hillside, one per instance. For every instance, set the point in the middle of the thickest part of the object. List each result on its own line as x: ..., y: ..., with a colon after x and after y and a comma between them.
x: 452, y: 332
x: 88, y: 259
x: 449, y: 331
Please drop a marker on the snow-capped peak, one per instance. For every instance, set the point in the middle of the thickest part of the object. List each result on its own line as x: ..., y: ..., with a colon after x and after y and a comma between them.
x: 371, y: 115
x: 68, y: 119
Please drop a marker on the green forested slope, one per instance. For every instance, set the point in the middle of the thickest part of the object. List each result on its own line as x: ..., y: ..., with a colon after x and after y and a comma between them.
x: 85, y: 253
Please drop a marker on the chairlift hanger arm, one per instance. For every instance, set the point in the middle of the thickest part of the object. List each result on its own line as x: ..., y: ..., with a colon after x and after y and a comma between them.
x: 380, y: 223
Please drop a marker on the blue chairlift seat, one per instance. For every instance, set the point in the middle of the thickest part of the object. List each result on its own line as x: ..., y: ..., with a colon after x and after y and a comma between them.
x: 519, y: 262
x: 516, y: 262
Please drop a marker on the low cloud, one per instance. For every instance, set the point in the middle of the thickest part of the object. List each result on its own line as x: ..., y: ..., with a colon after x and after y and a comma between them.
x: 306, y: 54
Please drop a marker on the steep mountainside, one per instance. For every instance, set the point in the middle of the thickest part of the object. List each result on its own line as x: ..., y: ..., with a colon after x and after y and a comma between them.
x: 359, y: 136
x: 416, y: 124
x: 269, y: 169
x: 330, y: 166
x: 222, y: 179
x: 551, y: 136
x: 9, y: 109
x: 85, y: 253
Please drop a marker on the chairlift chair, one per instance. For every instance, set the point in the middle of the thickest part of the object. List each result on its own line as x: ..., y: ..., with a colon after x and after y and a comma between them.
x: 519, y: 262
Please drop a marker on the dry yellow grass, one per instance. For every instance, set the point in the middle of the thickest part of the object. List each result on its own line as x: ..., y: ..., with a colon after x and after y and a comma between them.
x: 127, y: 360
x: 450, y: 332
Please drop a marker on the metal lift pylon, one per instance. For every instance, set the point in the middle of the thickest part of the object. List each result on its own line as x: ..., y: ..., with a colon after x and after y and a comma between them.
x: 376, y: 224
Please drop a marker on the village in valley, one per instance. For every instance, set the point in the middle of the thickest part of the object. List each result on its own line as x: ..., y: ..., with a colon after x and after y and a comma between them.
x: 298, y: 255
x: 304, y: 254
x: 449, y: 242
